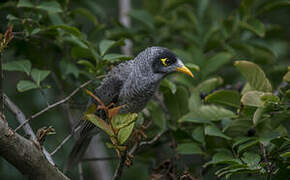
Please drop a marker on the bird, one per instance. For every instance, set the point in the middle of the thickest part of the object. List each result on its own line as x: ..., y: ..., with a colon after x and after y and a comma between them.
x: 131, y: 85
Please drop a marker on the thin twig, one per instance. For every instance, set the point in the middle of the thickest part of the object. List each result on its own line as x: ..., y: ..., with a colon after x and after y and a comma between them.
x: 137, y: 146
x: 21, y: 118
x: 64, y: 141
x: 1, y: 87
x: 268, y: 164
x: 99, y: 159
x: 65, y: 106
x: 119, y: 170
x: 61, y: 144
x: 53, y: 105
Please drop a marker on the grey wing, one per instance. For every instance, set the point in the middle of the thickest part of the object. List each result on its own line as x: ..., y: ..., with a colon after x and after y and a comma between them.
x: 107, y: 92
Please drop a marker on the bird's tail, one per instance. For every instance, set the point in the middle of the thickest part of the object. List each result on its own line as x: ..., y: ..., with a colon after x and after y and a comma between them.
x: 79, y: 149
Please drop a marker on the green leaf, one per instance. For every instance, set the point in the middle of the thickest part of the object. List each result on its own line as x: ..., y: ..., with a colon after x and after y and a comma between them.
x: 39, y: 75
x: 254, y: 98
x: 86, y: 63
x: 270, y: 98
x: 35, y: 31
x: 223, y: 157
x: 24, y: 3
x: 189, y: 148
x: 242, y: 140
x: 115, y: 57
x: 210, y: 84
x: 212, y: 130
x: 225, y: 97
x: 120, y: 121
x: 285, y: 155
x: 169, y: 84
x: 125, y: 133
x: 157, y: 115
x: 191, y: 117
x: 254, y: 75
x: 25, y: 85
x: 142, y: 16
x: 257, y: 115
x: 68, y: 68
x: 246, y: 88
x: 86, y: 13
x: 247, y: 145
x: 22, y: 66
x: 78, y: 52
x: 255, y: 26
x: 192, y: 67
x: 251, y: 159
x: 207, y: 113
x: 177, y: 104
x: 216, y: 62
x: 76, y: 41
x: 10, y: 17
x: 99, y: 123
x: 194, y: 100
x: 287, y: 77
x: 198, y: 134
x: 172, y: 4
x: 50, y: 6
x: 271, y: 5
x: 246, y: 6
x: 234, y: 169
x: 70, y: 29
x: 105, y: 45
x: 55, y: 19
x: 125, y: 124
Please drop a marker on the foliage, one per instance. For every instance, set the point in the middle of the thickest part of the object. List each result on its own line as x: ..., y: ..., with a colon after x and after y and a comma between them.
x: 230, y: 121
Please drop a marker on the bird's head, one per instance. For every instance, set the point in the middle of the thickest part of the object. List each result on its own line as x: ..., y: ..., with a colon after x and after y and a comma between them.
x: 164, y: 62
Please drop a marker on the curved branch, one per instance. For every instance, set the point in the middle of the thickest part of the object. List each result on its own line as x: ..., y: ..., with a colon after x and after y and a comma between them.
x: 25, y: 156
x: 27, y: 129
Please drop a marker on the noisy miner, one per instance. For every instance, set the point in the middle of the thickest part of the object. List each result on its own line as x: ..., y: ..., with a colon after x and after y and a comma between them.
x: 132, y: 84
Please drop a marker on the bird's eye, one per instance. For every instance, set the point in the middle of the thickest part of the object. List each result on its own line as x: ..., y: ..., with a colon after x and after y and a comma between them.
x: 164, y: 61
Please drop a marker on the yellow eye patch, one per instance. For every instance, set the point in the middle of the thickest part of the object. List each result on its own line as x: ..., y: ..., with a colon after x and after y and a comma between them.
x: 163, y: 60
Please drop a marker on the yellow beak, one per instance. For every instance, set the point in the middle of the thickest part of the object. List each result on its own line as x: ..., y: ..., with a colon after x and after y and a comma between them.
x: 185, y: 70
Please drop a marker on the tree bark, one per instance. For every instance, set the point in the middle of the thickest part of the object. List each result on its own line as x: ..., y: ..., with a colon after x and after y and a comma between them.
x: 27, y: 129
x: 25, y: 156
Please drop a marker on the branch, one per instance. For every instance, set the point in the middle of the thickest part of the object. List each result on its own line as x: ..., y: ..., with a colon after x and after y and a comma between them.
x: 119, y: 170
x: 268, y: 164
x: 53, y: 105
x: 100, y: 169
x: 25, y: 156
x: 137, y: 146
x: 99, y: 159
x: 21, y: 118
x: 1, y: 87
x: 61, y: 144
